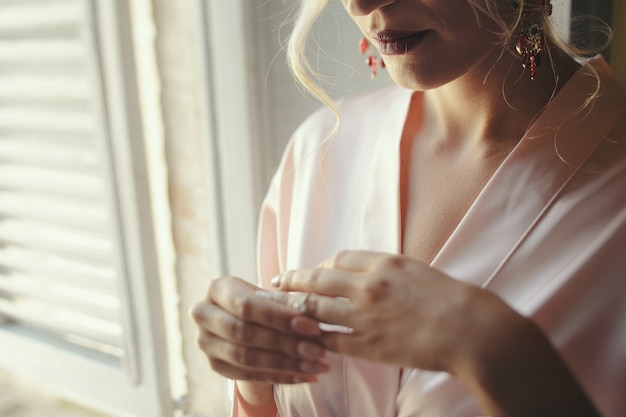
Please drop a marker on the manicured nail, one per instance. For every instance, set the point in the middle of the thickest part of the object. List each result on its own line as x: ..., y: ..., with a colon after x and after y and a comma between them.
x: 276, y: 280
x: 310, y: 350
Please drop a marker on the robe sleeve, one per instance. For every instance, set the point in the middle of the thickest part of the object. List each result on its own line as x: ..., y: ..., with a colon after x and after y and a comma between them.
x: 274, y: 217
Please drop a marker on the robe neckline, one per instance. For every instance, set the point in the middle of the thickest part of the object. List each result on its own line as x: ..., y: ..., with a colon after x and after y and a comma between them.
x: 520, y: 191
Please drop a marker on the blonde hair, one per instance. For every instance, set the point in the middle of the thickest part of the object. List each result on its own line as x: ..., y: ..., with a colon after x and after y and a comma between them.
x: 300, y: 66
x: 506, y: 14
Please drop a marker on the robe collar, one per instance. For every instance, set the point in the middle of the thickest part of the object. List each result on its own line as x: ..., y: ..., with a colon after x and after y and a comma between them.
x: 518, y: 194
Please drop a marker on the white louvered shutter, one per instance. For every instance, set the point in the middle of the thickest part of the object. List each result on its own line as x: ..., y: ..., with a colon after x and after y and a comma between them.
x: 65, y: 274
x: 57, y: 248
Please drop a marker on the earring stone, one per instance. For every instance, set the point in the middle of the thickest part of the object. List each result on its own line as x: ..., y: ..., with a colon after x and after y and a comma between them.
x: 371, y: 60
x: 531, y: 39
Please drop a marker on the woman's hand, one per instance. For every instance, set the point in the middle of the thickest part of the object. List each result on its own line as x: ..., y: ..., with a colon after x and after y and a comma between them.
x: 405, y: 313
x: 399, y: 311
x: 248, y: 337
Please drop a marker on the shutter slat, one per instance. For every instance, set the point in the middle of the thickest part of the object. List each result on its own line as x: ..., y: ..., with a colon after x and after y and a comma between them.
x: 50, y: 181
x: 59, y: 295
x: 62, y: 321
x: 46, y: 152
x: 22, y: 87
x: 41, y: 52
x: 63, y: 211
x: 45, y: 119
x: 35, y: 17
x: 78, y: 273
x: 55, y: 239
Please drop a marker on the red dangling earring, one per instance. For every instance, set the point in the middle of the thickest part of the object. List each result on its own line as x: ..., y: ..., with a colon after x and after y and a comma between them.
x: 371, y: 60
x: 531, y: 41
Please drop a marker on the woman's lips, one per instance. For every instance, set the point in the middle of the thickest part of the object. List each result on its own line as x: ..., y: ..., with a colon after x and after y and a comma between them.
x: 397, y: 42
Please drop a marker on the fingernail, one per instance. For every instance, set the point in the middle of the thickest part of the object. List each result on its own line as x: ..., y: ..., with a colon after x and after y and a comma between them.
x: 276, y: 280
x: 310, y: 350
x: 305, y: 326
x: 313, y: 367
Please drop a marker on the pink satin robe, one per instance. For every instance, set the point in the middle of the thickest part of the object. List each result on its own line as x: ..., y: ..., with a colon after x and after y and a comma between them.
x: 547, y: 233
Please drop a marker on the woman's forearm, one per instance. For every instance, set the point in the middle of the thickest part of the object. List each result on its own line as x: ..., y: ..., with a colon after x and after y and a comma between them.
x: 254, y: 399
x: 515, y: 371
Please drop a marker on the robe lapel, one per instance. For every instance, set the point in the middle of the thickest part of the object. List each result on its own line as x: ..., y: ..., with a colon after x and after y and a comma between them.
x: 380, y: 229
x: 530, y: 180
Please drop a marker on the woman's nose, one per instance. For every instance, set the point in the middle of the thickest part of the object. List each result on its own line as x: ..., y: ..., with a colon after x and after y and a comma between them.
x: 365, y: 7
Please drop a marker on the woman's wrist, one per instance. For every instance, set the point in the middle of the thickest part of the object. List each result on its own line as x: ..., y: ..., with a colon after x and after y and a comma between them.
x: 254, y: 399
x: 513, y: 369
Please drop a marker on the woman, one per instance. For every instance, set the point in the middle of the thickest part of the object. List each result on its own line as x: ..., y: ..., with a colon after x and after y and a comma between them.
x: 456, y: 247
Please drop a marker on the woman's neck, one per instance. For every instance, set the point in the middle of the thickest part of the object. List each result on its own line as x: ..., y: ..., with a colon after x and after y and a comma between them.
x: 479, y: 109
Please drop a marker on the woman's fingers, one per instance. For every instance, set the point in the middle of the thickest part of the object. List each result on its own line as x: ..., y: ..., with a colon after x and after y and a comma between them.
x: 232, y: 329
x: 354, y: 260
x: 323, y: 281
x: 232, y: 372
x: 239, y: 299
x: 342, y: 342
x: 248, y: 336
x: 250, y: 359
x: 327, y: 310
x: 334, y: 277
x: 349, y: 274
